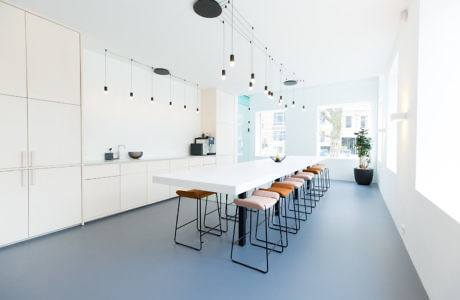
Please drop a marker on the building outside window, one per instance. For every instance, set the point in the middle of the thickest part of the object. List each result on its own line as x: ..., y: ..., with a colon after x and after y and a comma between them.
x: 270, y: 133
x: 337, y: 125
x: 348, y: 121
x: 364, y: 122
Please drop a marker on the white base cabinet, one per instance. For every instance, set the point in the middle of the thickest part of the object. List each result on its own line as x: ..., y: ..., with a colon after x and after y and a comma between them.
x: 117, y: 187
x: 54, y: 199
x: 101, y: 197
x: 14, y: 212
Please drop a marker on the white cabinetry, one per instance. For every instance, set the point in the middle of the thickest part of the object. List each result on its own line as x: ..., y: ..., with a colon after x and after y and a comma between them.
x: 133, y: 185
x: 13, y: 132
x: 13, y: 206
x: 12, y: 51
x: 40, y: 128
x: 157, y: 191
x: 53, y: 61
x: 117, y: 187
x: 101, y: 197
x: 54, y: 134
x: 54, y: 199
x: 101, y: 191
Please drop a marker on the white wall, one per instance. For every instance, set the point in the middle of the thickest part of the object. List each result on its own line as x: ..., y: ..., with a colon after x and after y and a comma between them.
x: 113, y: 119
x: 430, y: 235
x: 302, y: 126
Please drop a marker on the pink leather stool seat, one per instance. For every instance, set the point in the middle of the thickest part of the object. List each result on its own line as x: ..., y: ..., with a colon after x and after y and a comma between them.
x: 256, y: 202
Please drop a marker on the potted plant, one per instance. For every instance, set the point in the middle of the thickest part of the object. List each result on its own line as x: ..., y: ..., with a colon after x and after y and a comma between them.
x: 363, y: 144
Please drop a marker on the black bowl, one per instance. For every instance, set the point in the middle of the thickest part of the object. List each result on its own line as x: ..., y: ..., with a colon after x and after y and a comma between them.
x: 278, y: 160
x: 135, y: 155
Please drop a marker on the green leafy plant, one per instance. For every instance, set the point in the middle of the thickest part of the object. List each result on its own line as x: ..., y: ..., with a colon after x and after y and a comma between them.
x: 364, y: 145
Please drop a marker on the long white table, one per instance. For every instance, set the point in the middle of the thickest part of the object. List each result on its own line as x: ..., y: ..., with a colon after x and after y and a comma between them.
x: 236, y: 179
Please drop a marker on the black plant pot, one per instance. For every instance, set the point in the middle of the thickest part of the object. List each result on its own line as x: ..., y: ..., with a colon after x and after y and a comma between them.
x: 364, y: 176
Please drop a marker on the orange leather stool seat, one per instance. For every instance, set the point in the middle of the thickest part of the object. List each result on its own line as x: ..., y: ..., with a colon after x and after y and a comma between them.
x: 195, y: 194
x: 284, y: 185
x: 313, y: 170
x: 281, y: 191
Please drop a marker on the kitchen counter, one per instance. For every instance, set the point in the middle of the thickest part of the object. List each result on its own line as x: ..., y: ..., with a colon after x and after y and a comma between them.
x: 142, y: 159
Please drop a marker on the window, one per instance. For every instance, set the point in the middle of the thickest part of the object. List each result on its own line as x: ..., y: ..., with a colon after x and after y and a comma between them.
x: 392, y: 133
x: 270, y: 133
x: 364, y: 122
x: 348, y: 121
x: 438, y: 106
x: 336, y: 128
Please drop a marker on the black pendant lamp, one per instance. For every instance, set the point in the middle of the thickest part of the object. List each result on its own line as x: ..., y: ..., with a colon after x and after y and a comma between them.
x: 232, y: 55
x: 223, y: 73
x: 131, y: 94
x: 170, y: 91
x: 207, y: 8
x: 106, y: 89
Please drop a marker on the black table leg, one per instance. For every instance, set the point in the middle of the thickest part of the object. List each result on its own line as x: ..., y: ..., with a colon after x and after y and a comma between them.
x: 277, y: 204
x: 242, y: 213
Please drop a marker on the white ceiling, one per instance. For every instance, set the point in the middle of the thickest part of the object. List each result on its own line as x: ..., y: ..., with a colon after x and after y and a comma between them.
x: 323, y: 41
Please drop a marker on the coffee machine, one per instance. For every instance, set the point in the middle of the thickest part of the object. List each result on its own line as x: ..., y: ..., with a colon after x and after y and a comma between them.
x: 204, y: 145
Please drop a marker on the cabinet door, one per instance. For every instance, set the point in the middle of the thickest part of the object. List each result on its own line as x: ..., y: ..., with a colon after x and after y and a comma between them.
x: 53, y: 61
x: 13, y: 132
x: 101, y: 197
x: 13, y: 207
x: 133, y: 190
x: 156, y: 191
x: 12, y: 51
x: 54, y: 199
x: 54, y: 134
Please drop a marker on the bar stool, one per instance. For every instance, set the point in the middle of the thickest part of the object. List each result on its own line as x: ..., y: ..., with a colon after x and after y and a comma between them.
x: 326, y: 172
x: 310, y: 181
x: 276, y: 196
x: 299, y: 184
x: 319, y: 183
x: 198, y: 195
x: 285, y: 191
x: 256, y: 203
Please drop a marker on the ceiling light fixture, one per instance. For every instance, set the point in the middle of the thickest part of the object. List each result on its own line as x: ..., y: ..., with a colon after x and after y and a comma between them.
x: 170, y: 92
x: 152, y: 99
x: 303, y: 108
x: 161, y: 71
x: 106, y: 90
x: 266, y: 86
x: 131, y: 94
x: 207, y: 8
x: 223, y: 74
x: 253, y: 78
x: 232, y: 55
x: 197, y: 99
x: 185, y: 98
x: 280, y: 100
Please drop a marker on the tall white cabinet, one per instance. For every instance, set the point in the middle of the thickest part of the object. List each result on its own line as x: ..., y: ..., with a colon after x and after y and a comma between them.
x: 40, y: 130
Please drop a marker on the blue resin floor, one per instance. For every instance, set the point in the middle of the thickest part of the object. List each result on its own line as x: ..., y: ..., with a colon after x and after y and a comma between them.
x: 348, y: 249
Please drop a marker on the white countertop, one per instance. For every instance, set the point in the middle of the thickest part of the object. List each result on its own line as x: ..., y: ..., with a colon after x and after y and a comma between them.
x: 142, y: 159
x: 236, y: 178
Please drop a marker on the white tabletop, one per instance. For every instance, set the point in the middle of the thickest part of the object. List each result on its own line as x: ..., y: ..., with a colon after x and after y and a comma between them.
x: 236, y: 178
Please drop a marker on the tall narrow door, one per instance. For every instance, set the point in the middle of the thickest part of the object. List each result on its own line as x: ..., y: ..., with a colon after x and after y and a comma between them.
x: 13, y: 132
x: 12, y: 51
x: 13, y: 206
x: 54, y: 134
x: 54, y: 199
